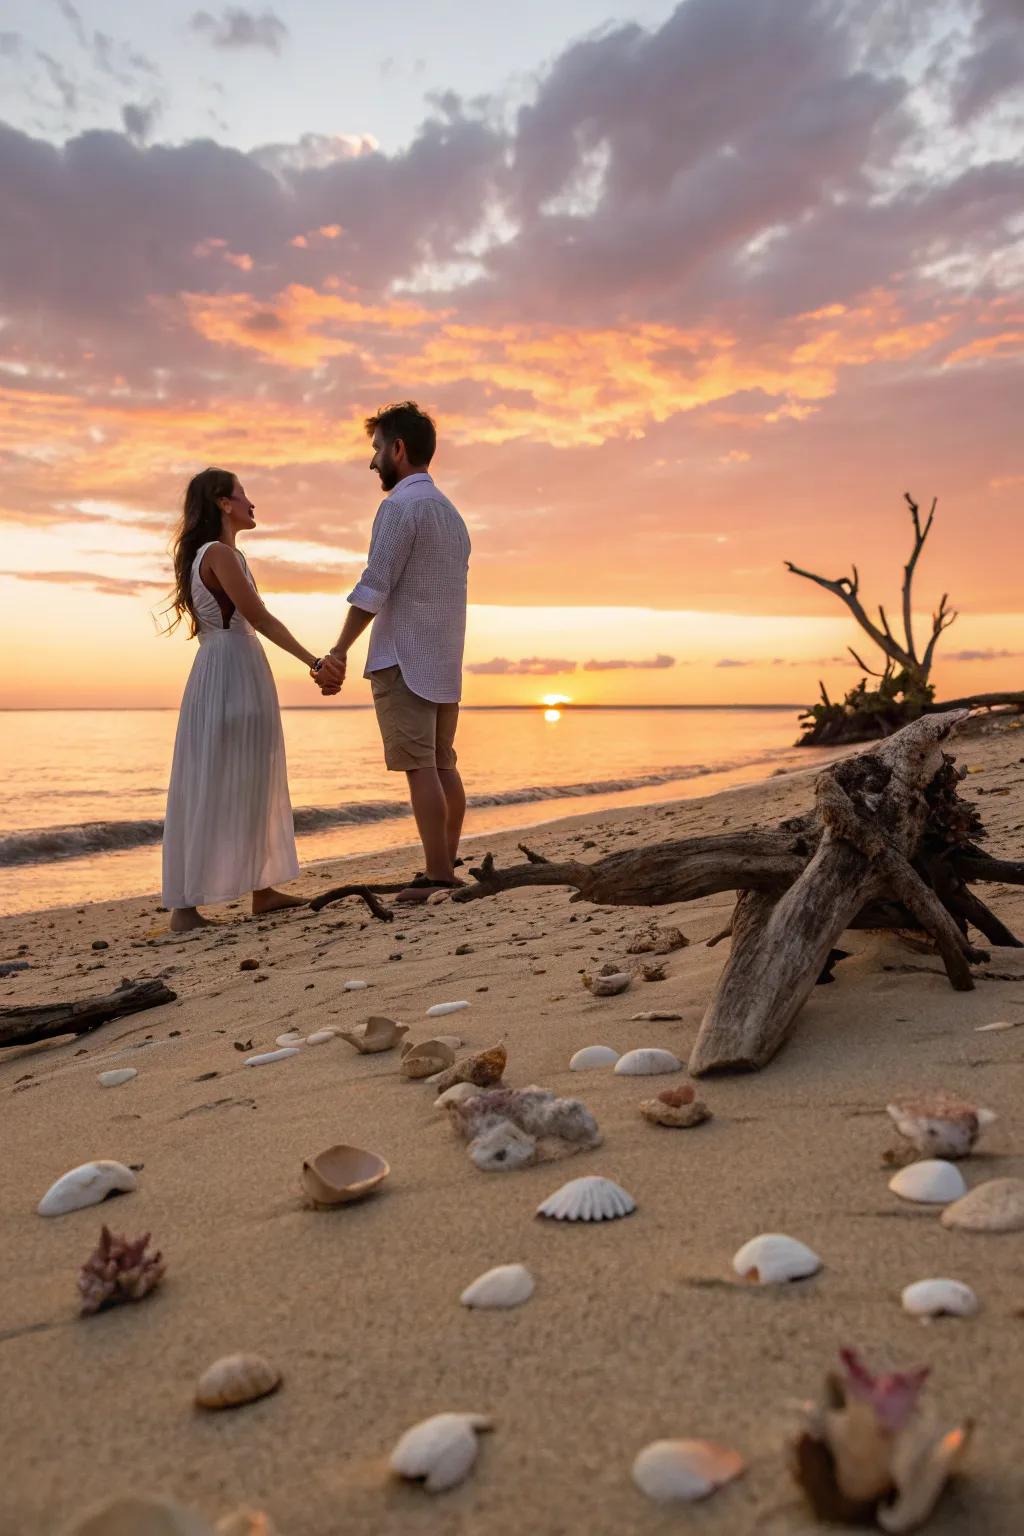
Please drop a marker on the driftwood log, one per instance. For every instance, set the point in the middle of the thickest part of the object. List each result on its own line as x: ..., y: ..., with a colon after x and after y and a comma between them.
x: 45, y: 1021
x: 889, y: 844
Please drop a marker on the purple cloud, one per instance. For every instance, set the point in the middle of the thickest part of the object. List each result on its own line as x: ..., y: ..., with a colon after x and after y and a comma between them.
x: 529, y: 666
x: 238, y: 28
x: 655, y: 663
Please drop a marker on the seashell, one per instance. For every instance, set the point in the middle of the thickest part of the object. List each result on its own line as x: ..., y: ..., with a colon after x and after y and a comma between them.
x: 534, y: 1110
x: 939, y: 1124
x: 342, y: 1174
x: 647, y: 1062
x: 484, y: 1069
x: 264, y: 1058
x: 995, y: 1206
x: 655, y: 1015
x: 921, y: 1471
x: 377, y: 1034
x: 426, y: 1059
x: 290, y: 1037
x: 236, y: 1379
x: 931, y: 1182
x: 984, y: 1029
x: 687, y: 1470
x: 245, y: 1522
x: 509, y: 1285
x: 588, y: 1199
x: 320, y: 1036
x: 456, y: 1094
x: 665, y: 1111
x: 608, y: 986
x: 118, y: 1076
x: 773, y: 1258
x: 593, y: 1056
x: 939, y: 1298
x: 439, y: 1451
x: 117, y: 1271
x: 501, y: 1147
x: 439, y: 1010
x: 453, y: 1042
x: 86, y: 1185
x: 139, y: 1516
x: 355, y: 986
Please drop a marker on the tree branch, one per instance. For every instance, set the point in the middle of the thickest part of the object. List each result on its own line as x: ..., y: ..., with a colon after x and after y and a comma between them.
x: 846, y: 589
x: 908, y: 570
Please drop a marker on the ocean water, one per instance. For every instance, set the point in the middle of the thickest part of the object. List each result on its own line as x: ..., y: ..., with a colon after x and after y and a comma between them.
x: 82, y: 796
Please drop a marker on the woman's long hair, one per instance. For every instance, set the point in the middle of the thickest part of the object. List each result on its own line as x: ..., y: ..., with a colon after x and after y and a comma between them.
x: 200, y: 524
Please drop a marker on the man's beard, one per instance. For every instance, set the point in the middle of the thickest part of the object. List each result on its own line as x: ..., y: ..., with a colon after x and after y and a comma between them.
x: 388, y: 478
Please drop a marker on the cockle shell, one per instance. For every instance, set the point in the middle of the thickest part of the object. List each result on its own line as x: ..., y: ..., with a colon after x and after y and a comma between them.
x: 440, y: 1451
x: 995, y: 1206
x: 647, y: 1062
x: 439, y: 1010
x: 377, y: 1034
x: 456, y: 1094
x: 773, y: 1258
x: 265, y: 1058
x: 86, y: 1185
x: 342, y: 1174
x: 139, y: 1516
x: 320, y: 1036
x: 484, y: 1069
x: 509, y: 1285
x: 931, y: 1182
x: 236, y: 1379
x: 118, y: 1076
x: 290, y: 1037
x: 610, y: 985
x: 592, y: 1056
x: 687, y: 1470
x: 939, y: 1124
x: 587, y: 1199
x: 425, y: 1059
x: 939, y: 1298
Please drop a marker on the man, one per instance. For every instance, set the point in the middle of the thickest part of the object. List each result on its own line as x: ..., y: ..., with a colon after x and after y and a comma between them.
x: 413, y: 591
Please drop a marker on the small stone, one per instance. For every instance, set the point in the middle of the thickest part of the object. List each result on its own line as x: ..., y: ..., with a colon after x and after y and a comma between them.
x: 248, y: 965
x: 100, y: 944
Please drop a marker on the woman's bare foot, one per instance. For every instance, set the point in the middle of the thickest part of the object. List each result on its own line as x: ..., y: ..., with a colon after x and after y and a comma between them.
x: 184, y: 919
x: 270, y: 900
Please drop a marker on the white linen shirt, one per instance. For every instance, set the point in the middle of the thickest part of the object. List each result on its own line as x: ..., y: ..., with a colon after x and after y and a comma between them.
x: 415, y: 585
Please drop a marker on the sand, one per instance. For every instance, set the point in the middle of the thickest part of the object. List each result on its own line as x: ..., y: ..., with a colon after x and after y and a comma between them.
x: 635, y: 1331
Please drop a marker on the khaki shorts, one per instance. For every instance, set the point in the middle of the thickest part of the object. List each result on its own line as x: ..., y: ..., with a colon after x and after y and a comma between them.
x: 416, y: 732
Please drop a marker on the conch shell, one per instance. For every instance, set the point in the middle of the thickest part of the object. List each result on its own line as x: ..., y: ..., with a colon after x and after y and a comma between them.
x: 236, y: 1379
x: 118, y: 1270
x: 484, y: 1069
x: 377, y: 1034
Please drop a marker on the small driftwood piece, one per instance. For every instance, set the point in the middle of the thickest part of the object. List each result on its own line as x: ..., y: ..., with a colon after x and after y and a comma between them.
x: 45, y: 1021
x: 889, y: 845
x: 364, y: 892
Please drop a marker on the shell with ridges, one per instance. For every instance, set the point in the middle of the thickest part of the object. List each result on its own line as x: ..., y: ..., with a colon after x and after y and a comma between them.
x: 508, y: 1285
x: 773, y: 1259
x: 995, y: 1206
x: 687, y: 1470
x: 939, y: 1298
x: 426, y: 1059
x: 647, y: 1062
x: 342, y: 1174
x: 592, y: 1056
x: 236, y: 1379
x: 439, y: 1451
x: 931, y: 1182
x: 86, y: 1185
x: 588, y: 1199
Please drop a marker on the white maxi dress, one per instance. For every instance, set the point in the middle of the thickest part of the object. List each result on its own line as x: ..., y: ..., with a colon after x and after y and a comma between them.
x: 229, y: 827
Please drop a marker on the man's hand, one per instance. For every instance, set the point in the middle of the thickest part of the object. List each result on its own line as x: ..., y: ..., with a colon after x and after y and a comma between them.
x: 332, y: 672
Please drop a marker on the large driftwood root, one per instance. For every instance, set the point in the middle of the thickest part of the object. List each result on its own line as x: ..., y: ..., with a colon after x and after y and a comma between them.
x: 889, y: 844
x: 45, y: 1021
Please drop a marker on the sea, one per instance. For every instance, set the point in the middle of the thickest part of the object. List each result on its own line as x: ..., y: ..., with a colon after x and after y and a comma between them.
x: 82, y: 792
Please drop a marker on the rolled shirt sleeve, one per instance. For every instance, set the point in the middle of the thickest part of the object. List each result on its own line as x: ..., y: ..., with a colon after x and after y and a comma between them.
x: 391, y: 541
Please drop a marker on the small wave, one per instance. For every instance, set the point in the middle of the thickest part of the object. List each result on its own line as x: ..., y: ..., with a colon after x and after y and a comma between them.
x: 41, y: 845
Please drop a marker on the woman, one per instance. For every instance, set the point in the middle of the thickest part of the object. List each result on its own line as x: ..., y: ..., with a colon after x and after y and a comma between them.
x: 229, y: 825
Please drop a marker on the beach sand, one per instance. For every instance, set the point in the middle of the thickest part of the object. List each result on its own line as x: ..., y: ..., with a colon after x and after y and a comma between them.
x: 636, y: 1331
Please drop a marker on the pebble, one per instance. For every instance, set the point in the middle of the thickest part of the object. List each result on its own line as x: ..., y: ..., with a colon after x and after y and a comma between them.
x: 248, y: 965
x: 117, y: 1076
x: 100, y: 944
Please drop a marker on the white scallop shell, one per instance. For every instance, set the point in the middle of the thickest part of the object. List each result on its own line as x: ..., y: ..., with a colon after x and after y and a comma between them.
x: 647, y: 1062
x: 509, y: 1285
x: 86, y: 1185
x: 439, y: 1010
x: 939, y: 1298
x: 929, y: 1182
x: 588, y: 1199
x: 290, y: 1037
x: 995, y: 1206
x: 684, y: 1469
x: 773, y: 1258
x: 355, y: 986
x: 439, y: 1451
x: 593, y: 1056
x: 266, y: 1057
x: 117, y: 1076
x: 455, y: 1095
x: 320, y: 1036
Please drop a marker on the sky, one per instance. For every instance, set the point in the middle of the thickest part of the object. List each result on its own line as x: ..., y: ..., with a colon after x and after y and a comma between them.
x: 691, y: 290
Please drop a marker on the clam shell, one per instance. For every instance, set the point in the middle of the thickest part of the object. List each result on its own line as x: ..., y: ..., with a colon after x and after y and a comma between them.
x: 377, y: 1034
x: 647, y: 1062
x: 593, y: 1056
x: 588, y: 1199
x: 236, y: 1379
x: 939, y: 1298
x: 608, y: 986
x: 342, y: 1174
x: 687, y: 1470
x: 426, y: 1059
x: 320, y: 1036
x: 773, y: 1258
x: 931, y: 1182
x: 264, y: 1058
x: 439, y: 1451
x: 439, y: 1010
x: 455, y: 1095
x: 995, y: 1206
x: 134, y: 1515
x: 921, y: 1470
x: 509, y: 1285
x: 86, y: 1185
x: 118, y: 1076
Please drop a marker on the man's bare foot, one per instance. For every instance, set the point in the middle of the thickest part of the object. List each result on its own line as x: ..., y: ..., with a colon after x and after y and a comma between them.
x: 273, y: 901
x: 184, y: 919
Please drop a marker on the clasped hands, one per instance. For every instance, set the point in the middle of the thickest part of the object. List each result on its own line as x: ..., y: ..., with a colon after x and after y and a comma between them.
x: 331, y: 674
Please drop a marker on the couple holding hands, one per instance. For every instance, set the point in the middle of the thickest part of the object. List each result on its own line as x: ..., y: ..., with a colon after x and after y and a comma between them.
x: 228, y: 828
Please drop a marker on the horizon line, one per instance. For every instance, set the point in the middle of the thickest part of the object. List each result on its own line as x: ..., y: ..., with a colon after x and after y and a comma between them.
x: 565, y: 709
